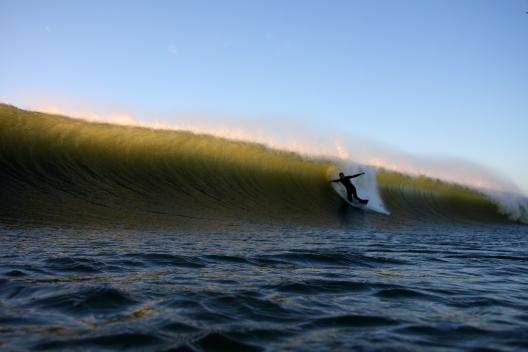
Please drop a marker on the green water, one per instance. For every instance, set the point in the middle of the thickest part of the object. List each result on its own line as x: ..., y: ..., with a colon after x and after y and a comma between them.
x: 57, y: 169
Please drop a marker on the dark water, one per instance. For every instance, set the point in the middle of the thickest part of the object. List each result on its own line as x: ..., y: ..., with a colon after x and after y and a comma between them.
x: 265, y: 287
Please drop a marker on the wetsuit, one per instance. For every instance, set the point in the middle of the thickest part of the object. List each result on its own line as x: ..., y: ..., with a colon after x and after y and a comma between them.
x: 351, y: 190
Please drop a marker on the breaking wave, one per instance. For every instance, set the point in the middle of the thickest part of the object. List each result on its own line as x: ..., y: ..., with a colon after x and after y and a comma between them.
x: 58, y: 170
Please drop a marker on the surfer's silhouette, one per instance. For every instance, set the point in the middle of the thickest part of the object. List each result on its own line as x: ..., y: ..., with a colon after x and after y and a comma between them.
x: 351, y: 190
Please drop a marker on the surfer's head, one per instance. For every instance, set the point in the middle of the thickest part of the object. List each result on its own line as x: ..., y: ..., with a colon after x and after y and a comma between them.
x: 341, y: 175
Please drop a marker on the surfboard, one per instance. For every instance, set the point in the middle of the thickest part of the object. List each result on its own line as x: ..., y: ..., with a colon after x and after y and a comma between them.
x: 341, y: 191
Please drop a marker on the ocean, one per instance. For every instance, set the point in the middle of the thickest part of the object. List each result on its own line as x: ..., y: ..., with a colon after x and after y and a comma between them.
x: 117, y: 237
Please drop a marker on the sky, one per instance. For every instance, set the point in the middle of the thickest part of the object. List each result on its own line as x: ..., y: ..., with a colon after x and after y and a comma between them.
x: 436, y: 78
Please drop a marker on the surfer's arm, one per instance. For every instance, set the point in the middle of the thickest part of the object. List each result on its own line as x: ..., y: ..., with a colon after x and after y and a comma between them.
x: 356, y: 175
x: 337, y: 180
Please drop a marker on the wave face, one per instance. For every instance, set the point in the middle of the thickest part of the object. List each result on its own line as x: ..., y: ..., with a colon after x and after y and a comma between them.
x: 57, y: 170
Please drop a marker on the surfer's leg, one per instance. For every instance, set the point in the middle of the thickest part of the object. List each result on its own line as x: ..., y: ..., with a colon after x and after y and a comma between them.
x: 353, y: 191
x: 349, y: 195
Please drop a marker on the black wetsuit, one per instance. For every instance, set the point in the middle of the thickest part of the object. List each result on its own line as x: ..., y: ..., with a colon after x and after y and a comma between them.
x: 351, y: 190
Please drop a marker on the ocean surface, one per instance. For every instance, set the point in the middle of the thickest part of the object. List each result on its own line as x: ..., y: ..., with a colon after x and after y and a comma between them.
x: 252, y: 288
x: 125, y: 238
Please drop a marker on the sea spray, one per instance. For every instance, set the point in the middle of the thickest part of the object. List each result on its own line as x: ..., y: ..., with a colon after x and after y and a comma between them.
x: 366, y: 184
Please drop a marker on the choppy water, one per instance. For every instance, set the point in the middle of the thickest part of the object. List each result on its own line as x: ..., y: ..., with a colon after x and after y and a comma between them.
x: 265, y: 287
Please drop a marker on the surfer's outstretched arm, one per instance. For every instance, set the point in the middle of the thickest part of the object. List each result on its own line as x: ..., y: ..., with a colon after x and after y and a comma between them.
x: 356, y: 175
x: 334, y: 180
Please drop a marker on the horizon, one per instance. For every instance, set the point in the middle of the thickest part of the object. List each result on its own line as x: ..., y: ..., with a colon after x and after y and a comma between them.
x: 436, y: 79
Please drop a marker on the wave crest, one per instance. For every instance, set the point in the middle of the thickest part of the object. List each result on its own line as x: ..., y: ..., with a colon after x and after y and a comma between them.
x: 60, y: 170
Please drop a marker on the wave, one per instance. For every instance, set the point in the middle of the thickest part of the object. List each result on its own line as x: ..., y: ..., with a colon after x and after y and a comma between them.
x: 58, y: 170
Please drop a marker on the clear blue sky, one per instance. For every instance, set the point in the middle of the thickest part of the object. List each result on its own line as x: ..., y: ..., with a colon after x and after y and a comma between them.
x: 445, y: 78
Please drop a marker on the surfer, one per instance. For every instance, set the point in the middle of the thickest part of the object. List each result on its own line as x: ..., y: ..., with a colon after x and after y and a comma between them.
x: 351, y: 190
